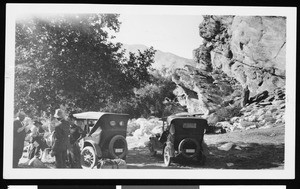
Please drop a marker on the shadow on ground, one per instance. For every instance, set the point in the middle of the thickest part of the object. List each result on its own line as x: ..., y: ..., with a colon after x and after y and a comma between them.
x: 247, y: 156
x: 240, y: 156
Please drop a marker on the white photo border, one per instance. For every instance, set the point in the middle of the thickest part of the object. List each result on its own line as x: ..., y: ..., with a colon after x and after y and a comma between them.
x: 13, y: 10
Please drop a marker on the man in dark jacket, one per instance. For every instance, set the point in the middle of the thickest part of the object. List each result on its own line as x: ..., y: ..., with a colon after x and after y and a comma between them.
x: 61, y: 140
x: 76, y: 134
x: 19, y: 137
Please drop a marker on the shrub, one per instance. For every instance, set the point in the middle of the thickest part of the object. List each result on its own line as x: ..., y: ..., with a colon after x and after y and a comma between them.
x: 213, y: 119
x: 225, y: 113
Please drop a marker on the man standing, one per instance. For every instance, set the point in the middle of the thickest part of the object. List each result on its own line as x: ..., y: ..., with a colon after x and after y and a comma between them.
x: 19, y: 137
x: 61, y: 140
x: 76, y: 133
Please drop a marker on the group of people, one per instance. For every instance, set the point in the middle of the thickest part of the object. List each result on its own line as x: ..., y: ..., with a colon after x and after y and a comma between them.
x: 64, y: 146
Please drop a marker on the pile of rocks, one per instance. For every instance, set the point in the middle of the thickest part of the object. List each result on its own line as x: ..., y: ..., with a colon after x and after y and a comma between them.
x: 263, y: 114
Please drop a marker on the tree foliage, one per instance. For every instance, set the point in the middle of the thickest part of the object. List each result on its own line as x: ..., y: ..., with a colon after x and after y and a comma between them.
x: 155, y: 97
x: 69, y: 59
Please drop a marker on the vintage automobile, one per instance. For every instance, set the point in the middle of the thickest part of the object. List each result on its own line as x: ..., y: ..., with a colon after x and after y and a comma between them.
x: 106, y: 137
x: 181, y: 138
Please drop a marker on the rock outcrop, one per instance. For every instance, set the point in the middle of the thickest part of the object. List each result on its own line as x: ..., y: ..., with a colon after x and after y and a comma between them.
x: 263, y: 114
x: 237, y: 51
x: 250, y: 49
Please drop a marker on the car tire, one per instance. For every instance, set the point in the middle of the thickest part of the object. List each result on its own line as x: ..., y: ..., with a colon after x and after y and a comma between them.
x: 88, y: 157
x: 111, y: 148
x: 167, y: 157
x: 182, y: 150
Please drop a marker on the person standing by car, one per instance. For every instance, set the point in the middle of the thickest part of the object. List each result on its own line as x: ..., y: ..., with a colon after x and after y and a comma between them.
x: 76, y: 133
x: 37, y: 139
x: 19, y: 137
x: 61, y: 140
x: 171, y: 139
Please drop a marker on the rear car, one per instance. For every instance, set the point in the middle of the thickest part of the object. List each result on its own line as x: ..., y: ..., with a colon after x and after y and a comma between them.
x: 185, y: 139
x: 106, y: 137
x: 181, y: 138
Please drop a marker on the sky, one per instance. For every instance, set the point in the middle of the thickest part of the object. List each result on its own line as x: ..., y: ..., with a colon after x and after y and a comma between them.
x: 177, y: 34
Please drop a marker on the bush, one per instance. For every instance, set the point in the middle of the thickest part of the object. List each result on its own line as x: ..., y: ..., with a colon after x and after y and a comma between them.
x: 213, y: 119
x: 225, y: 113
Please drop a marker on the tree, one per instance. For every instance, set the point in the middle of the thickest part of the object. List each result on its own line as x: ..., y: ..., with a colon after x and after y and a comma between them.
x: 69, y: 59
x: 137, y: 68
x: 151, y: 98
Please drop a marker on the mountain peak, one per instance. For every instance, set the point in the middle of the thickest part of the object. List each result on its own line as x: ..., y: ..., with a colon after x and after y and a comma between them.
x: 162, y: 59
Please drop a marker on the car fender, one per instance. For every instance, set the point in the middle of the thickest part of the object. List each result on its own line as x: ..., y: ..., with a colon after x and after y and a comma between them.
x: 94, y: 145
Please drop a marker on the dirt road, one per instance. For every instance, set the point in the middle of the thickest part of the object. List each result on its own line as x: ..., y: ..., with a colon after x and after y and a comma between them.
x: 252, y: 149
x: 249, y: 156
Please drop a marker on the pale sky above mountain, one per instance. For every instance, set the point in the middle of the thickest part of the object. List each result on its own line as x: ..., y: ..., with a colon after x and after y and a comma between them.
x: 177, y: 34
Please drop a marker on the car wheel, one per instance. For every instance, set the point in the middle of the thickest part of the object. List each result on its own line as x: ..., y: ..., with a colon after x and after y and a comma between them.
x: 189, y: 148
x: 88, y: 157
x: 118, y: 147
x: 167, y: 157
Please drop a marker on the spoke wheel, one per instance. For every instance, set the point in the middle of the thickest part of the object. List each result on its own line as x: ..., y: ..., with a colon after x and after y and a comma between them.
x: 167, y: 158
x: 88, y: 157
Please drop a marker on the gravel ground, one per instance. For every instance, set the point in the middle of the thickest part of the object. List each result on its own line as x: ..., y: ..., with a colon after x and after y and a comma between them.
x: 251, y: 149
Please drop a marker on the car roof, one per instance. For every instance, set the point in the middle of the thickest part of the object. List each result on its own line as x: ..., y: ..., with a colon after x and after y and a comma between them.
x: 93, y: 115
x: 186, y: 116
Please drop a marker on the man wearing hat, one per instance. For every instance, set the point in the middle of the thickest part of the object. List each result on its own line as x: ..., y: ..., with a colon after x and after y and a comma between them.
x: 61, y: 139
x: 19, y: 137
x: 76, y: 134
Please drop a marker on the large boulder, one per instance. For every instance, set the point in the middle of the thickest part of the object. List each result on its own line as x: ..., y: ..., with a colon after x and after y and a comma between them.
x: 259, y: 54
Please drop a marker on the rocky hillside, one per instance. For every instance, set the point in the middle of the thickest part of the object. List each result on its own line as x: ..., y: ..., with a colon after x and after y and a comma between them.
x: 237, y: 52
x: 162, y: 59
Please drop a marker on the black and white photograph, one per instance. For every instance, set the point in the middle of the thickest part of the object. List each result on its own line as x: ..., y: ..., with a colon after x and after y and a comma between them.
x: 149, y: 92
